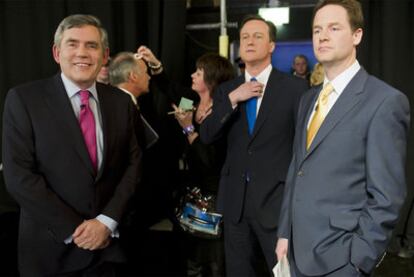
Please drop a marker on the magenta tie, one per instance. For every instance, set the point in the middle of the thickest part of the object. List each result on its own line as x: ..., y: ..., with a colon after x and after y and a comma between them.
x: 87, y: 124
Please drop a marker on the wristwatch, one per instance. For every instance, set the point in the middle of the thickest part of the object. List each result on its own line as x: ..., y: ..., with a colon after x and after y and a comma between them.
x: 189, y: 130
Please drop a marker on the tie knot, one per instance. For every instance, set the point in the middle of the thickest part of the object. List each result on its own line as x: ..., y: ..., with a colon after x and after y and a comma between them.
x: 84, y: 96
x: 327, y: 89
x: 253, y: 79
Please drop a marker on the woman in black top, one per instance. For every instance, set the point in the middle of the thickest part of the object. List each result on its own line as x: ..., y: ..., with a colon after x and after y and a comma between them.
x: 205, y: 256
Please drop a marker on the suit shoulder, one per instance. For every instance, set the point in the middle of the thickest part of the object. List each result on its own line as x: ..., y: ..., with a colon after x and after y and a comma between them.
x: 32, y: 86
x: 231, y: 84
x: 112, y: 93
x: 379, y: 87
x: 30, y: 91
x: 290, y: 79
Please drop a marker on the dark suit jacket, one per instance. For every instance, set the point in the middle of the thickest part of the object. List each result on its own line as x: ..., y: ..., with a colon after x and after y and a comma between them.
x: 48, y: 171
x: 265, y: 155
x: 343, y: 196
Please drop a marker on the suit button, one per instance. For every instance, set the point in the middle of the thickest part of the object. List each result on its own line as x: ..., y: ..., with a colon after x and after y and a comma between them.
x: 300, y: 173
x: 250, y: 152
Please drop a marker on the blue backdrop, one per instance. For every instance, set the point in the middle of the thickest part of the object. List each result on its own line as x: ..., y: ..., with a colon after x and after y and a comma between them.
x: 284, y: 53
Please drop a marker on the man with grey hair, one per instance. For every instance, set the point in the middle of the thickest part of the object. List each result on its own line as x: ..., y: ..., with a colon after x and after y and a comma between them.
x: 68, y: 162
x: 129, y: 73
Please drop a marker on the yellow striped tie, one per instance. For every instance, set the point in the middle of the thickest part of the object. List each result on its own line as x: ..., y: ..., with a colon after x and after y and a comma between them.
x: 321, y: 111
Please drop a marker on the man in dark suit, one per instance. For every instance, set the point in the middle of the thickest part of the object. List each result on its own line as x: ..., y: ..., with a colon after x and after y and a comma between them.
x: 68, y: 161
x: 128, y: 72
x: 258, y: 151
x: 346, y: 182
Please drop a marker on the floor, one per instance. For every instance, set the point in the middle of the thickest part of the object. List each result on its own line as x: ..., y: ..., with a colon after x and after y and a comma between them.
x: 165, y: 259
x: 165, y: 248
x: 394, y: 266
x: 159, y: 253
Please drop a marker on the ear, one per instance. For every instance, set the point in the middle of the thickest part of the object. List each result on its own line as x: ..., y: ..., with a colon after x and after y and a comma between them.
x: 105, y: 56
x: 272, y: 46
x: 132, y: 76
x: 56, y: 53
x: 357, y: 36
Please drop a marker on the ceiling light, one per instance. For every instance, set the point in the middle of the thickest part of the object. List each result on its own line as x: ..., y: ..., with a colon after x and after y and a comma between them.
x: 278, y: 16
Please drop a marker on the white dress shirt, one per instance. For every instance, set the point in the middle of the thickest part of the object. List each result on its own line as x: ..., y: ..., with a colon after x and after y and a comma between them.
x: 262, y: 78
x: 339, y: 84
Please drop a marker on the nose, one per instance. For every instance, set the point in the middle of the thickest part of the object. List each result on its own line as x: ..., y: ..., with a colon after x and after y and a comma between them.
x: 323, y: 35
x: 250, y: 40
x: 81, y: 51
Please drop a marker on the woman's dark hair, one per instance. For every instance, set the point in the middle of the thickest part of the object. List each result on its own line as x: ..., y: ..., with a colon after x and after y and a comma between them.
x: 216, y: 68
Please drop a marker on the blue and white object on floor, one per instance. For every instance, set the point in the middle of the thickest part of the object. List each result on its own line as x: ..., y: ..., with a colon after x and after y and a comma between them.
x: 194, y: 219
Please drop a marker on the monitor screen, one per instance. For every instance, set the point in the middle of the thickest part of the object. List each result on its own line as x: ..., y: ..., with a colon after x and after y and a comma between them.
x: 285, y: 52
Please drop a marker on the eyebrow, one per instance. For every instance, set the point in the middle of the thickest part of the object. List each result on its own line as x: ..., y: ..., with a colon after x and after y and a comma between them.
x: 254, y: 33
x: 329, y: 25
x: 69, y: 40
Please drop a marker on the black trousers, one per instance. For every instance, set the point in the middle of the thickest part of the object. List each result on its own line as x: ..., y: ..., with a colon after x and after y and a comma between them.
x: 249, y: 247
x: 105, y: 269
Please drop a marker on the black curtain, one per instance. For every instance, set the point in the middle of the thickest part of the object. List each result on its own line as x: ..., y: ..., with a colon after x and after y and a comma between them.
x: 388, y: 40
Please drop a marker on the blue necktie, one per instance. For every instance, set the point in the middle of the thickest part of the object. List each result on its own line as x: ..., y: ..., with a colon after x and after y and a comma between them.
x: 251, y: 107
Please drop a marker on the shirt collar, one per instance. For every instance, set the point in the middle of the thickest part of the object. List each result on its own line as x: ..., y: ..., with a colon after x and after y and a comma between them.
x: 343, y: 79
x: 262, y: 77
x: 130, y: 94
x: 72, y: 89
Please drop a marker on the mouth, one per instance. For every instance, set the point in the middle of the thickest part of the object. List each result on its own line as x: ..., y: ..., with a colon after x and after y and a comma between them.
x: 82, y: 65
x: 324, y: 49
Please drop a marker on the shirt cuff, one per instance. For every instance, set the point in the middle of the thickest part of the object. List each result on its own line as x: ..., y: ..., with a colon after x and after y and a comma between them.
x: 110, y: 223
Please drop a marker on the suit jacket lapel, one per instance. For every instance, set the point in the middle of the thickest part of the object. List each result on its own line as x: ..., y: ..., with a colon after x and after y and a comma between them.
x: 242, y: 106
x: 58, y: 102
x: 268, y: 101
x: 305, y: 111
x: 105, y: 108
x: 346, y: 101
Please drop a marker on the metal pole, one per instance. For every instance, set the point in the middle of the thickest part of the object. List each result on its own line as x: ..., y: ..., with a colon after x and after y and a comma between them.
x: 223, y: 39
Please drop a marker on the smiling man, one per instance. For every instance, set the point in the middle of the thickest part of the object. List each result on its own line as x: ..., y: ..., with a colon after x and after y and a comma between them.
x: 346, y: 182
x: 257, y: 114
x: 68, y: 162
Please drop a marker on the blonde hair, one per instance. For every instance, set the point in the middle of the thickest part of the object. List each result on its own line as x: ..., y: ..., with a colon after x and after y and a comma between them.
x: 317, y: 75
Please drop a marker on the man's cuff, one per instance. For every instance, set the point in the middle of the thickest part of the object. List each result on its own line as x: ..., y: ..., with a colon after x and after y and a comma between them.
x: 110, y: 223
x: 68, y: 240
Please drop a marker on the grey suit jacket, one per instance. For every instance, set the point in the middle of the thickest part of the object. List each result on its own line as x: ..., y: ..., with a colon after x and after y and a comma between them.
x: 343, y: 195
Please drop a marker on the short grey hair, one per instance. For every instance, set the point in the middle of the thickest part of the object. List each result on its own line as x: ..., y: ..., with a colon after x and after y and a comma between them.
x: 121, y: 66
x: 79, y: 20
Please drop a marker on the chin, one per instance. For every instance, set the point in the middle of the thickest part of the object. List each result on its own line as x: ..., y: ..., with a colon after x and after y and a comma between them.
x: 248, y: 57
